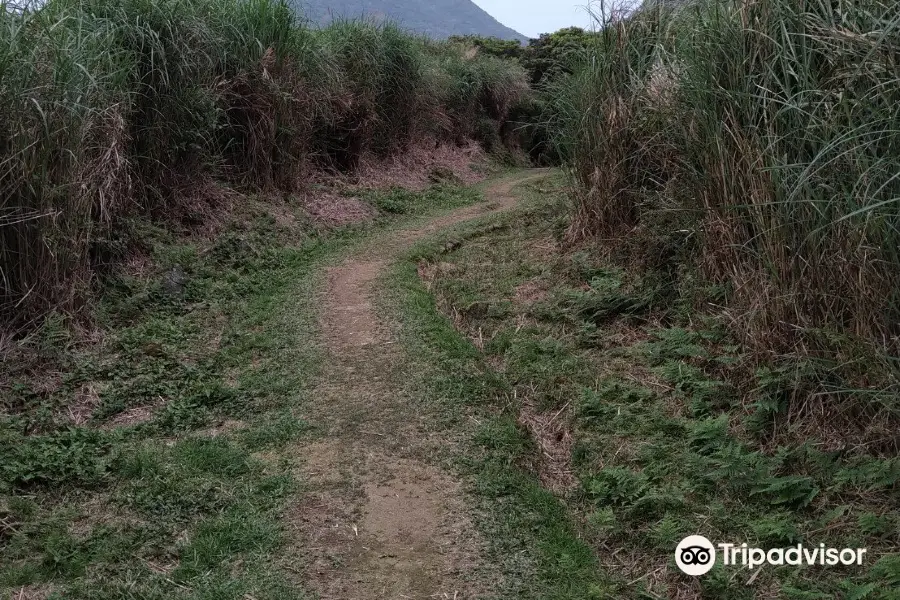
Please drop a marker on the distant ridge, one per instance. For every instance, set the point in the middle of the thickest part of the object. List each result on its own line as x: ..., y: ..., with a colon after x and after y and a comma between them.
x: 435, y: 18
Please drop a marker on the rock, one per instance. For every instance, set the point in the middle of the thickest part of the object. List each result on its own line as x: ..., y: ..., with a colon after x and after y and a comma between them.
x: 175, y: 281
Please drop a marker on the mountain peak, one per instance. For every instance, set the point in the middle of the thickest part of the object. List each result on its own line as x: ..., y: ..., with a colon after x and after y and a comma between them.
x: 437, y: 19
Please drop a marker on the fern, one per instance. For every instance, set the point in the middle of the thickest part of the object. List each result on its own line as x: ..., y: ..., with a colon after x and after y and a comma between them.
x: 606, y: 402
x: 657, y: 502
x: 791, y: 490
x: 667, y: 532
x: 886, y: 571
x: 690, y: 381
x: 675, y: 344
x: 776, y: 529
x: 740, y: 469
x: 616, y: 486
x: 710, y: 435
x: 870, y: 474
x: 853, y: 591
x: 871, y: 524
x: 793, y: 593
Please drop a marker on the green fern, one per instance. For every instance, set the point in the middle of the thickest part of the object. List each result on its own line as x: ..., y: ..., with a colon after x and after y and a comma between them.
x: 616, y: 486
x: 874, y: 525
x: 675, y: 344
x: 709, y: 435
x: 886, y: 571
x: 791, y: 490
x: 657, y: 502
x: 667, y: 532
x: 611, y: 400
x: 739, y: 469
x: 870, y: 474
x: 777, y: 529
x: 793, y: 593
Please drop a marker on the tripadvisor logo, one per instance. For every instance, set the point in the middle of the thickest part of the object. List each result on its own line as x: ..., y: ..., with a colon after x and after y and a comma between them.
x: 696, y: 555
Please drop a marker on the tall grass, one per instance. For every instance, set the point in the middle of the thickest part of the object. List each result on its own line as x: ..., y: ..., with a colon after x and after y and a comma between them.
x: 116, y: 108
x: 757, y: 141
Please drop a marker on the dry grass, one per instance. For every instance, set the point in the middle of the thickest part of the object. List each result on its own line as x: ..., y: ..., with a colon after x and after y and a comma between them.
x: 531, y: 292
x: 693, y: 154
x: 334, y: 210
x: 552, y: 432
x: 34, y: 592
x: 100, y: 131
x: 414, y: 168
x: 135, y: 415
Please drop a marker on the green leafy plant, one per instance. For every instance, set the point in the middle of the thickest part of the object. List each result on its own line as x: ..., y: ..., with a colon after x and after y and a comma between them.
x: 77, y: 456
x: 616, y: 486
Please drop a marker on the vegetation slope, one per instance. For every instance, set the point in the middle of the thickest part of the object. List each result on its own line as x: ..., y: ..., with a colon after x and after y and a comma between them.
x: 712, y: 345
x: 118, y: 111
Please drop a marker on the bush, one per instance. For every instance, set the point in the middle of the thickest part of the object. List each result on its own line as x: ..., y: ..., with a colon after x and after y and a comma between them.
x: 118, y: 108
x: 760, y: 137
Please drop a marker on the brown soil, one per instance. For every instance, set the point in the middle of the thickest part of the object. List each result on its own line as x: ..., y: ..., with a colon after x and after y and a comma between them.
x: 412, y: 169
x: 531, y: 292
x: 135, y: 415
x: 381, y: 520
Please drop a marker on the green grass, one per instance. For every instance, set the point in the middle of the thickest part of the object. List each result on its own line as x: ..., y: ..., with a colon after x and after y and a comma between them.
x: 400, y: 201
x: 124, y: 111
x: 162, y: 504
x: 753, y: 146
x: 662, y: 444
x: 172, y: 480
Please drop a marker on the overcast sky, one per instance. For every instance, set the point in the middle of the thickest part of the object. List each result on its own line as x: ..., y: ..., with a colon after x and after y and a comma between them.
x: 533, y: 17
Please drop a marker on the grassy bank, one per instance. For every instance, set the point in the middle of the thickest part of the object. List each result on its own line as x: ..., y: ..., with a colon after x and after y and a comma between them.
x: 745, y: 153
x: 628, y: 410
x: 118, y: 111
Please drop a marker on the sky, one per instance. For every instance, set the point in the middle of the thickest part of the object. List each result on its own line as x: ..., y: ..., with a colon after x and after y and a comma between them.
x: 534, y: 17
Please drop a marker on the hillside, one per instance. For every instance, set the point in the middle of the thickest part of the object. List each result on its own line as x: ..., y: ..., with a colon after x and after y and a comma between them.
x: 437, y: 19
x: 284, y: 316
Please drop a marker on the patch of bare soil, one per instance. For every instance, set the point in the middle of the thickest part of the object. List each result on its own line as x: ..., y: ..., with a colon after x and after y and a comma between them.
x: 223, y: 427
x: 380, y: 520
x: 135, y: 415
x: 333, y: 210
x: 552, y: 432
x: 414, y: 169
x: 81, y: 408
x: 531, y: 292
x: 429, y: 271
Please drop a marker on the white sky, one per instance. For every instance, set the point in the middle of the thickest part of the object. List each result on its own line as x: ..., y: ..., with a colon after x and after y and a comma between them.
x: 534, y: 17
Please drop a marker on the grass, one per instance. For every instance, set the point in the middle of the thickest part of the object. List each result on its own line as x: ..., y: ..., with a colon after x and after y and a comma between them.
x: 573, y: 363
x: 124, y: 111
x: 169, y: 504
x: 719, y: 141
x: 530, y: 532
x: 152, y: 462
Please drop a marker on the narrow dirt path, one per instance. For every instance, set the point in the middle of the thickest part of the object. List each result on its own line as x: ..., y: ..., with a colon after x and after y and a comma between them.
x: 381, y: 521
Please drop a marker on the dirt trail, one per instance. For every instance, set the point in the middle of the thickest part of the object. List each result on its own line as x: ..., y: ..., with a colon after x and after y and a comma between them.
x: 381, y: 521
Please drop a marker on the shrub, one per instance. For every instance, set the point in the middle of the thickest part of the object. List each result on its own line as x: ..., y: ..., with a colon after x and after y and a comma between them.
x: 122, y: 108
x: 760, y: 138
